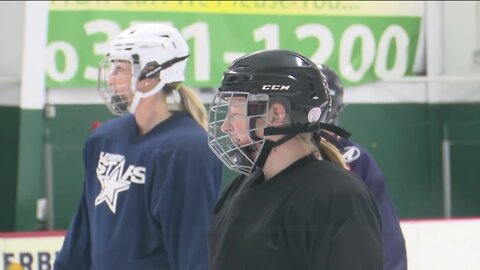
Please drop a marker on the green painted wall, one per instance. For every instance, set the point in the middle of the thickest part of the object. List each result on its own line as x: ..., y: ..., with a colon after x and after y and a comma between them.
x: 405, y: 139
x: 397, y: 135
x: 67, y: 132
x: 30, y: 176
x: 9, y: 127
x: 464, y: 136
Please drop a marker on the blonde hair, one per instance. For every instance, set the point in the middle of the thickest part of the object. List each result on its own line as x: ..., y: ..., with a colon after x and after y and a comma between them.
x: 318, y: 148
x: 332, y: 152
x: 190, y: 102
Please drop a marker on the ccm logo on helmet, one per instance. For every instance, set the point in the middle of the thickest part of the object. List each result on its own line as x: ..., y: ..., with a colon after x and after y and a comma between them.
x: 275, y: 87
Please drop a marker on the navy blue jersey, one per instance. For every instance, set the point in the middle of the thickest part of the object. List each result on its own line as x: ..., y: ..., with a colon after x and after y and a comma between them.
x: 147, y: 200
x: 363, y: 164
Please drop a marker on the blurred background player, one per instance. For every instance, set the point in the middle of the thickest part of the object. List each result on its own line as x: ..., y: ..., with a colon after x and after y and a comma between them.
x: 363, y: 164
x: 150, y: 179
x: 287, y: 209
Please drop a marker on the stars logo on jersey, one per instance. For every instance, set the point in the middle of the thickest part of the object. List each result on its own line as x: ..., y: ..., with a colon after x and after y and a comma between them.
x: 113, y: 179
x: 351, y: 153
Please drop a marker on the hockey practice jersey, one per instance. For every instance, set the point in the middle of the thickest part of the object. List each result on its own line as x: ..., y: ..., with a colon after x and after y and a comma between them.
x: 147, y: 200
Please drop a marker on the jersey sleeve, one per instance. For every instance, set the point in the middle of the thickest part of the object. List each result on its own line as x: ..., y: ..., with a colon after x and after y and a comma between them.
x: 183, y: 205
x: 76, y: 249
x: 351, y: 237
x: 75, y: 252
x: 395, y: 257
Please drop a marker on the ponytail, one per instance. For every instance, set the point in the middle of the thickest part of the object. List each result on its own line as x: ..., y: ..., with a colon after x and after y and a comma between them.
x: 332, y: 153
x: 323, y: 148
x: 190, y: 102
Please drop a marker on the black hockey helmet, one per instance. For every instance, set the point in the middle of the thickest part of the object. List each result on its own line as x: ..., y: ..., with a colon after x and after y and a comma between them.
x: 253, y: 83
x: 285, y: 76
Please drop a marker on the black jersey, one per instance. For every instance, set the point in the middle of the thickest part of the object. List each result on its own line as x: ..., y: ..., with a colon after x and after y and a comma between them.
x: 313, y: 215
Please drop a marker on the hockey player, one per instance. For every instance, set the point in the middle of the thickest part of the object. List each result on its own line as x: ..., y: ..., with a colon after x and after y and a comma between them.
x: 150, y: 179
x: 287, y: 209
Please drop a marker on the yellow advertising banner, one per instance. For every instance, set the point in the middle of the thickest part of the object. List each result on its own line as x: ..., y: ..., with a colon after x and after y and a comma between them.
x: 332, y: 8
x: 32, y: 250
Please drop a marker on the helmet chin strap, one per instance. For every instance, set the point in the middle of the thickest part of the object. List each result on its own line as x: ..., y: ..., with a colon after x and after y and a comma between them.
x: 267, y: 149
x: 268, y: 145
x: 139, y: 95
x: 290, y: 133
x: 141, y: 76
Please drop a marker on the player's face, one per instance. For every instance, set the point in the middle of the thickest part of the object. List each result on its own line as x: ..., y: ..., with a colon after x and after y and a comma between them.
x: 236, y: 122
x: 120, y: 78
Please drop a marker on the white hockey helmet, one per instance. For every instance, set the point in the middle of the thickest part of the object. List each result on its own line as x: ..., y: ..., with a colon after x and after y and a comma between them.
x: 154, y: 51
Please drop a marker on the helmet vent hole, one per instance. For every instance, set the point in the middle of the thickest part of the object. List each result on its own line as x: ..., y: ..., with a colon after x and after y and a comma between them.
x: 233, y: 80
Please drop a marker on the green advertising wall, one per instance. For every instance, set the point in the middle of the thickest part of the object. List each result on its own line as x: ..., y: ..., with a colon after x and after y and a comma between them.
x: 365, y: 42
